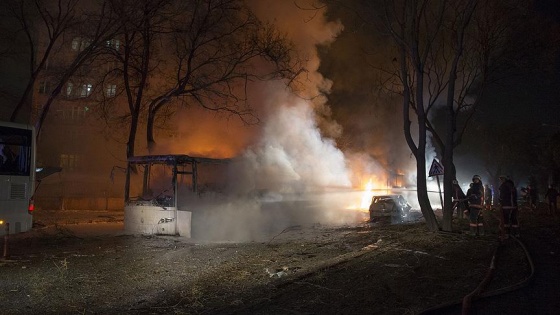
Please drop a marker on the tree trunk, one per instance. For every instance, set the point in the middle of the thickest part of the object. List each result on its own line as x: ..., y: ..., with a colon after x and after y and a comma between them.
x: 130, y: 153
x: 449, y: 175
x: 419, y: 151
x: 423, y: 198
x: 150, y: 132
x: 449, y: 145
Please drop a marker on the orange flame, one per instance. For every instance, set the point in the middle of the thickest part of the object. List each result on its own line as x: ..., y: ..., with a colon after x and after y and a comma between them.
x: 367, y: 195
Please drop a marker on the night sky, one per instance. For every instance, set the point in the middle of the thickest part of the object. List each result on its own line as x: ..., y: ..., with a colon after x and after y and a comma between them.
x: 525, y: 99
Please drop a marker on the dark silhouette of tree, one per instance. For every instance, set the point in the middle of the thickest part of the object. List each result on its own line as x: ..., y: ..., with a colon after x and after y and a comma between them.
x: 430, y: 41
x: 177, y: 53
x: 196, y: 52
x: 217, y: 49
x: 445, y: 54
x: 49, y: 25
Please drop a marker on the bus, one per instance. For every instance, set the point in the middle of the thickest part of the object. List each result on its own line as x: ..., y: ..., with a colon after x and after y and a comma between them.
x: 17, y: 177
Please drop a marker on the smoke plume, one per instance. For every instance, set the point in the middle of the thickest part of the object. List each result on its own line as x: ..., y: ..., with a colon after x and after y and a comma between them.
x: 287, y: 175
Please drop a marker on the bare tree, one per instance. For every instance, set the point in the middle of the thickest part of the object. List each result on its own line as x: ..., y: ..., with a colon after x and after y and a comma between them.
x: 212, y: 50
x: 418, y: 29
x: 447, y: 52
x: 218, y: 47
x: 137, y: 66
x: 195, y: 52
x: 480, y: 41
x: 47, y: 26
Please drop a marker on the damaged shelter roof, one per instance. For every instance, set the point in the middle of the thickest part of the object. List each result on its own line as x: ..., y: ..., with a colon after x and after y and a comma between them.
x: 174, y: 159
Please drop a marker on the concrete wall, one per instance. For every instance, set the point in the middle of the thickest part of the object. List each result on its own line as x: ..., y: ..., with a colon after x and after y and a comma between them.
x: 153, y: 220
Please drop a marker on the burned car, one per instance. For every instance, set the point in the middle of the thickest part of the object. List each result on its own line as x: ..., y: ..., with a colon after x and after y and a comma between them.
x: 393, y: 206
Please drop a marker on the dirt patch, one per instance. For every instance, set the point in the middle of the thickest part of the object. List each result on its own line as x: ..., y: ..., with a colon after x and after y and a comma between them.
x: 367, y: 268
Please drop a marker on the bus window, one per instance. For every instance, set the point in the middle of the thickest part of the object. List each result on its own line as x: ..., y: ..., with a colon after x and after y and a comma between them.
x: 15, y: 151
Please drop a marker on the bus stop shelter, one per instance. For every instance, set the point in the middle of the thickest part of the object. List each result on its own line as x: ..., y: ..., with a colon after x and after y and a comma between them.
x: 153, y: 194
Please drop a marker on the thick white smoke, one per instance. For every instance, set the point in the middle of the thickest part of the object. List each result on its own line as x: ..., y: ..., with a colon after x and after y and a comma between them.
x: 292, y: 149
x: 284, y: 176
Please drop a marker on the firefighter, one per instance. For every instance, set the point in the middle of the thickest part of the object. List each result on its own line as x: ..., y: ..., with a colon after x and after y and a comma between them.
x: 508, y: 206
x: 475, y: 196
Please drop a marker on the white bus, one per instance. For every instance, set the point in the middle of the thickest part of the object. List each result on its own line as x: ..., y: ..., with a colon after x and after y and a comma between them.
x: 17, y: 177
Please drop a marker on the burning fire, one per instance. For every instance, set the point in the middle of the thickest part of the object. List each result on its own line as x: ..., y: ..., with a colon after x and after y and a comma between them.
x: 365, y: 195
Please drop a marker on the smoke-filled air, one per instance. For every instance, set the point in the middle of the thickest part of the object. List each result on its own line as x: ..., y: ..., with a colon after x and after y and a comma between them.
x: 287, y: 170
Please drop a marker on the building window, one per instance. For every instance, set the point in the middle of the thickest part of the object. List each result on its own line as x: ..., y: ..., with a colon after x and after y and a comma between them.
x: 44, y: 87
x: 111, y: 90
x: 86, y: 90
x: 114, y: 43
x: 80, y: 44
x: 76, y: 43
x: 69, y: 89
x: 85, y: 43
x: 69, y: 161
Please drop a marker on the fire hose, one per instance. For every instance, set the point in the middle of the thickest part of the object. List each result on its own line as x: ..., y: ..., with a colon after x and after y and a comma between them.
x: 467, y: 301
x: 478, y: 293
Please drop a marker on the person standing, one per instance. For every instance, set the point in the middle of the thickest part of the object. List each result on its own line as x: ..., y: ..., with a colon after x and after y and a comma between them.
x: 459, y: 199
x: 508, y: 206
x: 552, y: 196
x: 475, y: 196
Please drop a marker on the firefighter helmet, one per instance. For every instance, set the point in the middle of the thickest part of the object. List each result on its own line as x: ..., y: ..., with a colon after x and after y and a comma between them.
x: 476, y: 177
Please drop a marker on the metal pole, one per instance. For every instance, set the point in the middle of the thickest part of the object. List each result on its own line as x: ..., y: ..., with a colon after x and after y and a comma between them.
x: 440, y: 197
